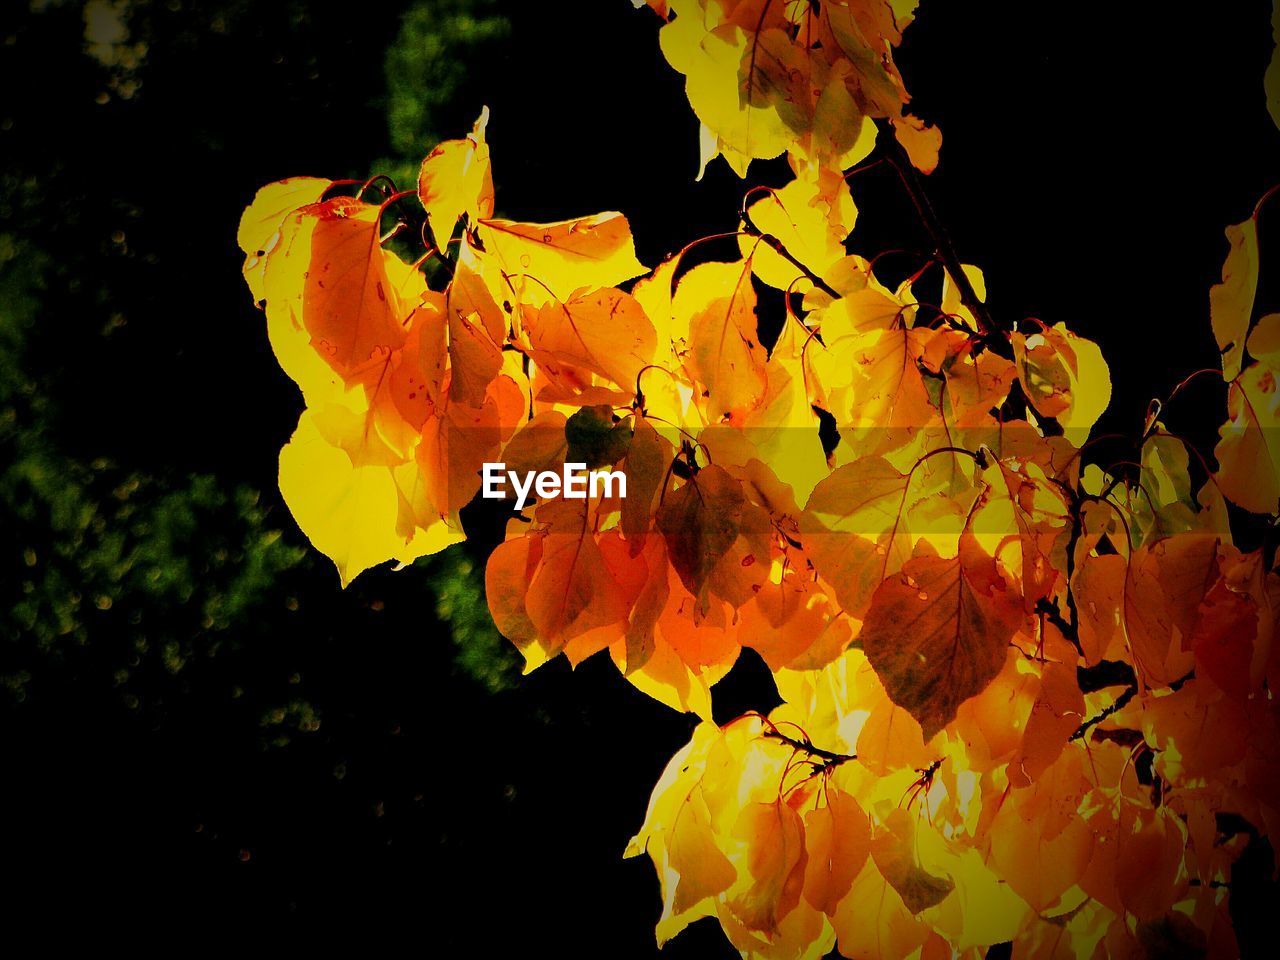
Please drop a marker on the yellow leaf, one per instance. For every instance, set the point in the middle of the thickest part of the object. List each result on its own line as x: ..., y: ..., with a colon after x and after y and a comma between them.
x: 872, y: 922
x: 1248, y: 452
x: 810, y: 223
x: 854, y: 529
x: 1231, y: 301
x: 1064, y: 376
x: 260, y: 223
x: 774, y: 834
x: 349, y: 513
x: 921, y: 141
x: 548, y: 260
x: 717, y: 303
x: 709, y: 52
x: 456, y: 178
x: 894, y: 852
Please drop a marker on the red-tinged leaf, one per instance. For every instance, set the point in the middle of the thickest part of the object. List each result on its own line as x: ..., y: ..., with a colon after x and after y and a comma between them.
x: 1041, y: 517
x: 1057, y: 713
x: 467, y: 296
x: 1166, y: 582
x: 938, y: 631
x: 454, y: 447
x: 417, y: 383
x: 351, y: 307
x: 1224, y: 638
x: 1039, y: 865
x: 506, y: 582
x: 648, y: 607
x: 891, y: 740
x: 1098, y: 585
x: 474, y: 360
x: 1150, y: 844
x: 538, y: 445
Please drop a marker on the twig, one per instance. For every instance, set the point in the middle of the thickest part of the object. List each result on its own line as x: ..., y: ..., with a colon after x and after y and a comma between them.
x: 945, y: 250
x: 749, y: 228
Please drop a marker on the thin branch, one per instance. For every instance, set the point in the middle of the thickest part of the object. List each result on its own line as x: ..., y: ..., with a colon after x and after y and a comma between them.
x: 1120, y: 703
x: 942, y: 242
x: 749, y: 228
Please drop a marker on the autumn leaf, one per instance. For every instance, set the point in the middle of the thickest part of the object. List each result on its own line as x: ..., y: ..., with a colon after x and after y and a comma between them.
x: 572, y: 591
x: 810, y: 224
x: 351, y: 306
x: 1039, y: 850
x: 1024, y: 672
x: 1063, y: 376
x: 695, y: 858
x: 1058, y: 711
x: 854, y: 529
x: 837, y: 842
x: 893, y: 850
x: 1231, y: 301
x: 456, y: 179
x: 261, y: 221
x: 590, y: 252
x: 725, y: 355
x: 349, y: 512
x: 1248, y: 452
x: 937, y: 632
x: 700, y: 520
x: 776, y: 860
x: 648, y: 458
x: 604, y: 331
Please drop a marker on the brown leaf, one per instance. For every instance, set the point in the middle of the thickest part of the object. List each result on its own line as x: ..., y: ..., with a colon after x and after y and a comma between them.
x: 893, y: 850
x: 937, y: 632
x: 700, y: 520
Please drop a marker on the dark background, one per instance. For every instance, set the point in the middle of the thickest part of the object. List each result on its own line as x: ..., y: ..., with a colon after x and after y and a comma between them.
x: 202, y: 735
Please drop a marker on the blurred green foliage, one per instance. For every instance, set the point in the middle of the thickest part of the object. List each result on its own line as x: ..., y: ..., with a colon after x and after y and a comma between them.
x: 441, y: 44
x: 166, y: 568
x: 133, y: 575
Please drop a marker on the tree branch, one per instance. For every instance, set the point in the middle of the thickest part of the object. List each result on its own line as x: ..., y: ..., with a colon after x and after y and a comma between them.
x: 749, y: 228
x: 945, y: 250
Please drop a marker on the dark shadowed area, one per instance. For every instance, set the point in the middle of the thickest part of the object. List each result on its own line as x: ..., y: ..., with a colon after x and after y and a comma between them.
x: 203, y: 736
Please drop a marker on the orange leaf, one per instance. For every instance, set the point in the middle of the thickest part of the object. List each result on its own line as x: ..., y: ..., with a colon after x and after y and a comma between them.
x: 837, y: 839
x: 351, y: 307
